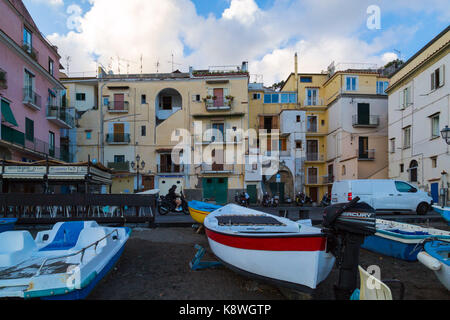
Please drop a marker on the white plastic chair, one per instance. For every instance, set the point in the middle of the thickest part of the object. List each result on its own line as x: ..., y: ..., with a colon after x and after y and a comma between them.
x: 375, y: 289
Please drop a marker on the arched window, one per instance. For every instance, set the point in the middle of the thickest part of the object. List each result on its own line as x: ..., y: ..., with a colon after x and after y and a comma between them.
x: 413, y: 171
x: 344, y: 171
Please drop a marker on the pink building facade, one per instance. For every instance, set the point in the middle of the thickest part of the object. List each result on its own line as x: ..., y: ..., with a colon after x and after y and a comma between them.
x: 33, y: 111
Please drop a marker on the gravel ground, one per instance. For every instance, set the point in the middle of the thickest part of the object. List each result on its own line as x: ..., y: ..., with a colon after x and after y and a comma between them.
x: 155, y: 266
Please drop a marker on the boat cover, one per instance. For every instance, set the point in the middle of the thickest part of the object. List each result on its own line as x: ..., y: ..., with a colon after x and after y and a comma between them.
x: 203, y: 206
x: 248, y: 220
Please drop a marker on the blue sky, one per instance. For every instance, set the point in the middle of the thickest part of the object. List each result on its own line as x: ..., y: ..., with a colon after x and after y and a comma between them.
x: 264, y: 32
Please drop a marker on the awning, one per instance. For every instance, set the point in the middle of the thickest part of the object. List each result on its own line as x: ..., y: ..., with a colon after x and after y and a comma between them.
x: 7, y: 114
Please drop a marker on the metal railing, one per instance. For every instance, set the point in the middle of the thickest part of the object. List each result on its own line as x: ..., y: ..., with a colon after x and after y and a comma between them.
x: 370, y: 121
x: 119, y: 166
x: 170, y: 168
x: 312, y: 156
x: 59, y: 113
x: 82, y: 251
x: 118, y: 138
x: 32, y: 52
x: 218, y: 103
x: 118, y: 106
x: 366, y: 154
x: 31, y: 97
x: 219, y: 168
x: 313, y: 102
x: 327, y: 179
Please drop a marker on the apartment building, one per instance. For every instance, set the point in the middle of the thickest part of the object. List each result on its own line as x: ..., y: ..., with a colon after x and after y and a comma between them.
x: 419, y: 108
x: 33, y: 104
x: 146, y: 115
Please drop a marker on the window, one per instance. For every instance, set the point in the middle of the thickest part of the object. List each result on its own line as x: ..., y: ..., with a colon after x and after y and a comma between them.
x: 306, y: 79
x: 280, y: 98
x: 437, y: 78
x: 407, y: 137
x: 311, y: 124
x: 393, y: 145
x: 29, y: 129
x: 167, y: 103
x: 312, y: 97
x: 81, y: 97
x: 344, y: 171
x: 363, y: 148
x: 351, y: 83
x: 254, y: 166
x: 413, y: 171
x: 50, y: 66
x: 143, y: 99
x: 27, y: 39
x: 196, y: 98
x: 433, y: 162
x: 51, y: 143
x: 323, y: 123
x: 298, y: 144
x: 382, y: 86
x: 312, y: 175
x: 119, y: 159
x: 143, y: 131
x: 404, y: 187
x: 402, y: 168
x: 28, y: 82
x: 88, y: 135
x: 106, y: 101
x: 435, y: 130
x: 257, y: 96
x: 299, y: 119
x: 405, y: 97
x: 283, y: 144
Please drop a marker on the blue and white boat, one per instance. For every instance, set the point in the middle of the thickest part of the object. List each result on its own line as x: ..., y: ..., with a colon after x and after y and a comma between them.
x: 7, y: 224
x: 64, y: 263
x: 401, y: 240
x: 436, y: 257
x: 444, y: 212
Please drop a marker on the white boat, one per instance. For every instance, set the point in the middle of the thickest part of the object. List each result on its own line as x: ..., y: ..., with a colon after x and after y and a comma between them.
x: 63, y: 263
x: 436, y: 257
x: 268, y: 247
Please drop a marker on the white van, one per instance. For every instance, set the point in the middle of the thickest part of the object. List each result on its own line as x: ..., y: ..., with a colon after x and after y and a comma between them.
x: 383, y: 195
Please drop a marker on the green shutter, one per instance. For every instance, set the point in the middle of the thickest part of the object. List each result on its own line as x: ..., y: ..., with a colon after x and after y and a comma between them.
x: 8, y: 114
x: 29, y: 129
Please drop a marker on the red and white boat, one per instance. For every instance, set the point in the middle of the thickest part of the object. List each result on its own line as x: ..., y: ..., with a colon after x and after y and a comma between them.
x: 269, y: 247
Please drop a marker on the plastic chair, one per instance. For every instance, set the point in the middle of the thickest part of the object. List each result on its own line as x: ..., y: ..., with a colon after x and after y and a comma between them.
x: 375, y: 289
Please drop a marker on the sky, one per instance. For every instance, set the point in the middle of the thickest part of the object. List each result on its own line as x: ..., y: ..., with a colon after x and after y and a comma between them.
x: 117, y: 34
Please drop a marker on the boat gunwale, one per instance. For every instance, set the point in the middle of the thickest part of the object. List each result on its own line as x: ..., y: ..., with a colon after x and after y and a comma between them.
x: 277, y: 235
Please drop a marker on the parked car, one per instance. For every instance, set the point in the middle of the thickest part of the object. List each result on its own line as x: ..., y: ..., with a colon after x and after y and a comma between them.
x: 383, y: 195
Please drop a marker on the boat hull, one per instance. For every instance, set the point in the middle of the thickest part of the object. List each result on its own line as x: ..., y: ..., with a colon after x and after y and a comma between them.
x: 295, y: 261
x: 7, y: 224
x: 392, y: 248
x: 444, y: 212
x: 198, y: 215
x: 436, y: 257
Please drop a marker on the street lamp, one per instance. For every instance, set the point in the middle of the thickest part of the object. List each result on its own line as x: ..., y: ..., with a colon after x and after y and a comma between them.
x: 446, y: 134
x: 138, y: 165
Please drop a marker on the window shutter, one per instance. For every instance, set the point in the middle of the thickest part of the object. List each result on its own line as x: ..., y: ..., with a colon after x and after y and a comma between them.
x: 275, y: 123
x: 402, y: 99
x: 194, y: 98
x: 433, y: 85
x: 441, y: 75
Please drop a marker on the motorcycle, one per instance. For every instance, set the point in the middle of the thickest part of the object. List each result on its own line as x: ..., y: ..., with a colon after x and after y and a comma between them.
x: 301, y: 199
x: 275, y: 201
x: 166, y: 205
x: 242, y: 199
x: 266, y: 201
x: 326, y: 200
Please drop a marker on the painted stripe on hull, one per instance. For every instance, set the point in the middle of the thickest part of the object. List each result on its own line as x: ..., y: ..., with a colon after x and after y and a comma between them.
x: 272, y: 243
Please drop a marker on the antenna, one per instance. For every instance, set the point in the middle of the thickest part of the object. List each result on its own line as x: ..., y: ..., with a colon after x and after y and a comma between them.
x: 142, y: 58
x: 399, y: 53
x: 173, y: 63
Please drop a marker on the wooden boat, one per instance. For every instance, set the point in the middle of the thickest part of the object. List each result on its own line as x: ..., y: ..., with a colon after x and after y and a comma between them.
x: 436, y: 257
x: 64, y: 263
x: 401, y: 240
x: 7, y: 224
x: 199, y: 210
x: 269, y: 247
x: 444, y: 212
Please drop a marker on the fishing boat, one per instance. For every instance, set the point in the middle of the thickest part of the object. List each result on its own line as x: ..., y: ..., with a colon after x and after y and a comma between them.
x: 444, y: 212
x: 436, y: 257
x: 7, y: 224
x: 401, y: 240
x: 268, y: 247
x: 64, y: 263
x: 199, y: 210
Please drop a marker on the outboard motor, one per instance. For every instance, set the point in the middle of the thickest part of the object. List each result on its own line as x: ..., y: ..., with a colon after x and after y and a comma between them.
x: 346, y: 226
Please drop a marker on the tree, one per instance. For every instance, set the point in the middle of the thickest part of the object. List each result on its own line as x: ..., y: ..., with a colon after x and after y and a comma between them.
x: 279, y: 85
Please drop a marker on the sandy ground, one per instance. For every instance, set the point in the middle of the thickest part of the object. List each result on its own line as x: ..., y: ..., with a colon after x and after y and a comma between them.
x: 155, y: 265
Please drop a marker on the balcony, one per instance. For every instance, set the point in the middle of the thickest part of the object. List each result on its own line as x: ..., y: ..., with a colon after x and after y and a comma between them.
x: 217, y: 168
x: 314, y: 157
x: 32, y: 52
x: 313, y: 102
x: 118, y: 106
x: 219, y: 103
x: 118, y: 138
x: 367, y: 155
x: 365, y: 122
x: 119, y: 166
x: 313, y: 179
x: 170, y: 169
x: 31, y: 99
x: 60, y: 116
x: 328, y: 179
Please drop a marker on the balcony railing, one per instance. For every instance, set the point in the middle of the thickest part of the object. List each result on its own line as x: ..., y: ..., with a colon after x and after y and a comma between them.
x: 217, y: 168
x: 311, y: 156
x: 119, y: 166
x: 371, y: 121
x: 313, y: 179
x: 32, y: 144
x: 328, y: 179
x: 31, y: 98
x: 313, y: 102
x: 366, y: 155
x: 118, y: 106
x: 32, y: 52
x: 118, y: 138
x: 170, y: 168
x: 219, y: 103
x: 60, y: 116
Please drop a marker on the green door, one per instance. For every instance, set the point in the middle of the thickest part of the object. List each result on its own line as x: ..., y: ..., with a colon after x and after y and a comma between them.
x: 277, y: 187
x: 363, y: 113
x: 215, y: 189
x: 251, y: 190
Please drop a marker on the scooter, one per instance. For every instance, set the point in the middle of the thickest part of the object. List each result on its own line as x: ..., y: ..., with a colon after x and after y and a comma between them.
x: 326, y: 200
x: 242, y: 199
x: 166, y: 205
x: 266, y: 201
x: 275, y: 201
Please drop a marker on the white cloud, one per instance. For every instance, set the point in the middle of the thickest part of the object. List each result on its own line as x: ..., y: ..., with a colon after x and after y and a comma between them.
x: 56, y: 3
x: 320, y: 31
